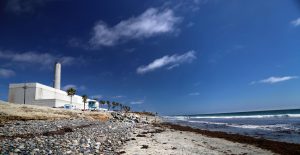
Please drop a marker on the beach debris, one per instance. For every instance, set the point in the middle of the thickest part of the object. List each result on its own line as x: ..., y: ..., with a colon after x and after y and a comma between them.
x: 121, y: 152
x: 144, y: 147
x: 140, y: 135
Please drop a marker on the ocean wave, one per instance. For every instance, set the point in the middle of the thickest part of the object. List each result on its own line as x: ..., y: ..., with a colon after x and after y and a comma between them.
x: 276, y: 127
x: 205, y: 122
x: 251, y: 116
x: 180, y: 118
x: 262, y: 127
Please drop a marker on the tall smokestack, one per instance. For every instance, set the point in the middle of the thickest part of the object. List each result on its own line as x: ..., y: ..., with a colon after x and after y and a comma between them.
x: 57, y: 75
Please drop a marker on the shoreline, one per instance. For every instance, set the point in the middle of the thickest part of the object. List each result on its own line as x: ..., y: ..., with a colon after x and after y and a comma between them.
x: 161, y: 139
x: 274, y: 146
x: 27, y: 130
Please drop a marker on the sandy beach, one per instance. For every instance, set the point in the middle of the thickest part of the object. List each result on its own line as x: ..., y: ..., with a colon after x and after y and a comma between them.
x: 42, y: 130
x: 170, y: 141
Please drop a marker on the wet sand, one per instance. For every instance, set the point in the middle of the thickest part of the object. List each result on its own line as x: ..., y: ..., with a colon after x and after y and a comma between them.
x: 274, y: 146
x: 166, y: 141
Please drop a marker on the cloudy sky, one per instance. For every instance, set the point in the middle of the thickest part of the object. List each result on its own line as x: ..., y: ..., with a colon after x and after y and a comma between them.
x: 170, y: 56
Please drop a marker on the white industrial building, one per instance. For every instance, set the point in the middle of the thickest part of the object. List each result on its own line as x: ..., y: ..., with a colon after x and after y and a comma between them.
x: 42, y: 95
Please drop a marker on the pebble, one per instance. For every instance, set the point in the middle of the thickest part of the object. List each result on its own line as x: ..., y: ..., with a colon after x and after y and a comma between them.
x: 21, y: 146
x: 69, y: 152
x: 17, y: 150
x: 75, y: 142
x: 98, y: 138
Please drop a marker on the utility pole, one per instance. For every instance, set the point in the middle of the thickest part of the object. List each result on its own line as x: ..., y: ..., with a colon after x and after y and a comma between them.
x: 25, y: 87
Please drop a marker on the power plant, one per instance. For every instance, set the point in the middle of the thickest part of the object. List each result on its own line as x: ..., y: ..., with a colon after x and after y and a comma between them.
x: 38, y: 94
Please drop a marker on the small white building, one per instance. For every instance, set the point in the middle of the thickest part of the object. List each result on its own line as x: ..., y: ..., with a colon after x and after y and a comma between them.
x: 94, y: 105
x: 42, y: 95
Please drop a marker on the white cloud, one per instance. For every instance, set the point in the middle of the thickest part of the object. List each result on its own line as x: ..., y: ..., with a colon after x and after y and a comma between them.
x: 24, y: 6
x: 6, y: 73
x: 150, y: 23
x: 190, y: 24
x: 194, y: 94
x: 98, y: 96
x: 272, y: 80
x: 82, y: 87
x: 119, y: 96
x: 169, y: 61
x: 66, y: 87
x: 44, y: 59
x: 296, y: 22
x: 137, y: 102
x: 173, y: 66
x: 76, y: 42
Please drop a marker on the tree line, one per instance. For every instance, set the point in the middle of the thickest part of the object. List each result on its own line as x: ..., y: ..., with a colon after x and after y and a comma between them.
x: 72, y: 91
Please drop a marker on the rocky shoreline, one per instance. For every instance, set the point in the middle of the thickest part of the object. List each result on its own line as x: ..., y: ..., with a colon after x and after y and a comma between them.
x: 66, y: 136
x: 125, y: 133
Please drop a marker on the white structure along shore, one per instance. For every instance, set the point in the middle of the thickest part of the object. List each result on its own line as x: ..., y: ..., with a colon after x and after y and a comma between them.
x: 42, y: 95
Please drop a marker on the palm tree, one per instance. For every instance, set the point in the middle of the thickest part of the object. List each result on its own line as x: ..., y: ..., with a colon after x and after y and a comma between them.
x: 71, y: 92
x: 84, y: 99
x: 126, y: 108
x: 117, y: 104
x: 108, y: 105
x: 121, y: 107
x: 102, y: 102
x: 113, y: 105
x: 129, y: 108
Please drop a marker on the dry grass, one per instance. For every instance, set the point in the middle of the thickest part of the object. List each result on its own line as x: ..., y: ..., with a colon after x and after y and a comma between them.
x: 96, y: 116
x: 11, y: 112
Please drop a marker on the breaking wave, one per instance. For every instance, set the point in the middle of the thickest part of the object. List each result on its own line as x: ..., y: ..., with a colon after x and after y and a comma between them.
x: 276, y: 127
x: 279, y: 125
x: 251, y: 116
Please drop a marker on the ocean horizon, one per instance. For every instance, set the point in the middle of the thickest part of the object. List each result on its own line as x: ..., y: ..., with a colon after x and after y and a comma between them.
x: 279, y: 125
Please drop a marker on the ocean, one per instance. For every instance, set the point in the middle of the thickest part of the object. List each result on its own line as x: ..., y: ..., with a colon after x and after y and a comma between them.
x: 278, y: 125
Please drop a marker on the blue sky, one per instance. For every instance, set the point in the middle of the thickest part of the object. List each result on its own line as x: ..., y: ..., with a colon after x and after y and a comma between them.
x: 173, y: 57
